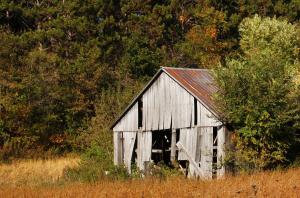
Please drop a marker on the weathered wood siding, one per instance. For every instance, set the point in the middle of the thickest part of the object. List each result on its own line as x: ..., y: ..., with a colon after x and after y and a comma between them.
x: 206, y: 146
x: 130, y: 120
x: 166, y: 102
x: 118, y: 156
x: 205, y: 117
x: 123, y: 148
x: 188, y: 138
x: 199, y: 144
x: 144, y: 148
x: 129, y: 140
x: 221, y: 150
x: 124, y: 137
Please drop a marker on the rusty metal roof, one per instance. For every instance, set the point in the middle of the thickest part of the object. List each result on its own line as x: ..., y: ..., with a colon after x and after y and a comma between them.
x: 199, y: 82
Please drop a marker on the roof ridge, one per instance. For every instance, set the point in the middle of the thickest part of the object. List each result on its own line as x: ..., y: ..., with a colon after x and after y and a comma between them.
x: 185, y: 68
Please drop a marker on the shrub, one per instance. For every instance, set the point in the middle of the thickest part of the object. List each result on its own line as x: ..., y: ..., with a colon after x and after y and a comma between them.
x: 95, y: 164
x: 258, y: 94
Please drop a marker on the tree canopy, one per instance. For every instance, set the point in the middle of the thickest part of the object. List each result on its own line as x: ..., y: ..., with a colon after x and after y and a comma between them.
x: 259, y: 96
x: 64, y: 62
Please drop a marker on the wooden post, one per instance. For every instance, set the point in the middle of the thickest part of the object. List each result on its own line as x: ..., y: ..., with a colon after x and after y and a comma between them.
x: 118, y: 148
x: 139, y: 149
x: 173, y: 146
x: 121, y: 156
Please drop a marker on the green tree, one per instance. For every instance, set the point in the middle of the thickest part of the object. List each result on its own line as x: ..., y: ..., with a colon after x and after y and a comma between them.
x: 58, y: 58
x: 258, y: 94
x: 202, y: 45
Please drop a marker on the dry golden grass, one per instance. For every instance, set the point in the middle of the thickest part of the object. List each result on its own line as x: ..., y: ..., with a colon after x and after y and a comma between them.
x: 267, y: 184
x: 34, y: 172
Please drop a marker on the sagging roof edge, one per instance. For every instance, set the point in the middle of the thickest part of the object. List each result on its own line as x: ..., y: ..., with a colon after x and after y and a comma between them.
x: 162, y: 69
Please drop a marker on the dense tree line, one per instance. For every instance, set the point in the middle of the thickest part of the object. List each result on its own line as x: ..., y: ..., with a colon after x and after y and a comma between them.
x: 64, y: 62
x: 260, y: 91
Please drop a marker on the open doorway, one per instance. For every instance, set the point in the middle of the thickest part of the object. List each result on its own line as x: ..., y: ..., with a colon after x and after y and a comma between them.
x: 134, y: 153
x: 161, y: 146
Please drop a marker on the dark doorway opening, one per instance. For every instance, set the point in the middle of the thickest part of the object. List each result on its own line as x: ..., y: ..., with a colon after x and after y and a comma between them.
x: 195, y: 112
x: 134, y: 154
x: 215, y: 153
x: 140, y: 113
x: 161, y: 146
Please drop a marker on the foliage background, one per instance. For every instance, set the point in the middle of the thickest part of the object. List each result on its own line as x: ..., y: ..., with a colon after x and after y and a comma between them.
x: 259, y: 98
x: 68, y: 68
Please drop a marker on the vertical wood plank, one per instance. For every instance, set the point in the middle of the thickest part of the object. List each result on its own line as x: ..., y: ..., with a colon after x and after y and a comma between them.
x: 129, y: 141
x: 117, y: 144
x: 173, y: 145
x: 198, y: 145
x: 139, y: 149
x: 221, y: 151
x: 182, y: 139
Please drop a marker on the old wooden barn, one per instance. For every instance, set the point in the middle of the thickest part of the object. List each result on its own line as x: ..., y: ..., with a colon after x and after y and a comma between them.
x: 173, y: 118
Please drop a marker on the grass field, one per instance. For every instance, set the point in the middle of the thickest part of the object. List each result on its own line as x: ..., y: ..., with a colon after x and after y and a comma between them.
x: 266, y: 184
x: 34, y: 172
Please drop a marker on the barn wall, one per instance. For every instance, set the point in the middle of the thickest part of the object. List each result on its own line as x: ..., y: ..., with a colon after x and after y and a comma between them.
x: 123, y: 148
x: 205, y: 117
x: 221, y: 150
x: 166, y: 102
x: 129, y: 122
x: 128, y: 141
x: 189, y: 140
x: 198, y: 142
x: 206, y: 145
x: 144, y: 148
x: 118, y: 152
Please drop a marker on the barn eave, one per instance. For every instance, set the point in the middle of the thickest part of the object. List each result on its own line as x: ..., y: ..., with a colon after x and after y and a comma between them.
x: 137, y: 97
